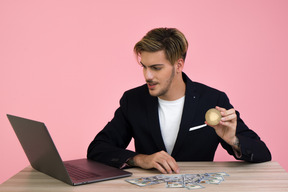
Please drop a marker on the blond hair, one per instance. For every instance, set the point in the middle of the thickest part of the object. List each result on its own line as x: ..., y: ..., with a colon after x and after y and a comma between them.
x: 171, y: 40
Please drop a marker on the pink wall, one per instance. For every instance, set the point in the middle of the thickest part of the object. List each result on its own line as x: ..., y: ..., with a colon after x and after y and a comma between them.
x: 67, y: 63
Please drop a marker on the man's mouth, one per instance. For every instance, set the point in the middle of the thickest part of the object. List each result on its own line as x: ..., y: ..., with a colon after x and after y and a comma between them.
x: 151, y: 85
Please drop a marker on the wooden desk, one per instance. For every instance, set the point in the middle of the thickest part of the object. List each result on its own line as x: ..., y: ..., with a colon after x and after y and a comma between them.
x: 269, y: 176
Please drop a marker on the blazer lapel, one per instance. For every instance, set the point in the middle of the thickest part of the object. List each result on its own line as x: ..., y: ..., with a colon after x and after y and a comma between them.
x: 153, y: 122
x: 189, y: 110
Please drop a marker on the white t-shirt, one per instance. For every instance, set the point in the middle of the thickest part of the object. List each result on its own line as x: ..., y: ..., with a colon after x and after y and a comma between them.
x: 170, y: 113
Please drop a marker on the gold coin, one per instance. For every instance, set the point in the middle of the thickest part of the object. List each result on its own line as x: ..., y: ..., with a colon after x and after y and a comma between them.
x: 213, y: 117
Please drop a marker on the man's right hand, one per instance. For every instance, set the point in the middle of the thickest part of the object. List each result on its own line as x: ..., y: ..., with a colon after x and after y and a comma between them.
x: 160, y: 160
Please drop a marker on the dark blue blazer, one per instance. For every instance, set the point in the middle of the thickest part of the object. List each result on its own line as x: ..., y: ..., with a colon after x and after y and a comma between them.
x: 137, y: 117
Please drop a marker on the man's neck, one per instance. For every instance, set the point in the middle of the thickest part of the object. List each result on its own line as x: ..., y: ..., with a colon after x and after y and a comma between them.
x: 177, y: 89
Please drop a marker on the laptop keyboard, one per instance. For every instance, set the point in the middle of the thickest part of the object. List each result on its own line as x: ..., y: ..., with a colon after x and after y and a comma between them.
x: 77, y: 173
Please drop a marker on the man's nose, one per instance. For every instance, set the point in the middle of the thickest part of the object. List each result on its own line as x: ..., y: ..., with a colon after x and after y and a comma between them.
x: 148, y: 74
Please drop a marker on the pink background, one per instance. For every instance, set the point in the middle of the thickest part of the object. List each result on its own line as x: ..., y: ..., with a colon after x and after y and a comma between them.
x: 67, y: 63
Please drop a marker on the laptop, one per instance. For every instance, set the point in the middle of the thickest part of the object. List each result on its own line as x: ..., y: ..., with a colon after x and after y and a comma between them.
x: 44, y: 157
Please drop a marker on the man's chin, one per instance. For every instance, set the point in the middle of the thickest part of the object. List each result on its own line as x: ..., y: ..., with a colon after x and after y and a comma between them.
x: 153, y: 93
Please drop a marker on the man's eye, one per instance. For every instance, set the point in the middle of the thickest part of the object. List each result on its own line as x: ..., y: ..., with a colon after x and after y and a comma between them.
x: 156, y: 68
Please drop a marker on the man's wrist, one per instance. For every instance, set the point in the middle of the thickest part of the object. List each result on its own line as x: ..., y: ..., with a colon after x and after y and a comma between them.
x: 131, y: 162
x: 236, y: 147
x: 236, y: 143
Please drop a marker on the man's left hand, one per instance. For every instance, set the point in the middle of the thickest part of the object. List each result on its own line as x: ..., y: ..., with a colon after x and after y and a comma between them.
x: 226, y: 129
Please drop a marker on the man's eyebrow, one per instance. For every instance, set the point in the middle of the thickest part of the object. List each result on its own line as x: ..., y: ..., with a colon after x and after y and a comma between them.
x: 154, y: 65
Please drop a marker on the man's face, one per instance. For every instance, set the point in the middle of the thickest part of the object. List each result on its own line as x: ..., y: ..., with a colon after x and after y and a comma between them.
x: 158, y: 73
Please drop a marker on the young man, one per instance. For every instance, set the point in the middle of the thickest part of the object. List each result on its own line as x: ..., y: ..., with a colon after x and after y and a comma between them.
x: 159, y: 114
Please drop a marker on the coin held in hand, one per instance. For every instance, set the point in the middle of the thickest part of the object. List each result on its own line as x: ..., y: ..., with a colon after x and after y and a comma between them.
x: 213, y: 117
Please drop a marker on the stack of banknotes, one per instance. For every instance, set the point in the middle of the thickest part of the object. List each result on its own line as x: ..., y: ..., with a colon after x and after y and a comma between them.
x: 189, y: 181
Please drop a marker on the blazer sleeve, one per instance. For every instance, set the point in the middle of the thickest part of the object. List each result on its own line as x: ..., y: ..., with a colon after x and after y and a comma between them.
x: 253, y: 149
x: 109, y: 145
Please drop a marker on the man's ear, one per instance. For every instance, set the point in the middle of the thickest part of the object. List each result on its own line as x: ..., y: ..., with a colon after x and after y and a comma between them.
x: 179, y: 65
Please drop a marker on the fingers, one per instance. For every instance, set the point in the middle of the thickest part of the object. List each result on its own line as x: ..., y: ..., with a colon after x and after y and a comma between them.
x: 227, y: 115
x: 162, y: 161
x: 226, y: 129
x: 165, y: 163
x: 225, y: 112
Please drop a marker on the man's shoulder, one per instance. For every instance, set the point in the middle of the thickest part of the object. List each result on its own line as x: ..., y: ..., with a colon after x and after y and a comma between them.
x: 200, y: 87
x: 136, y: 97
x: 137, y: 92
